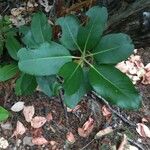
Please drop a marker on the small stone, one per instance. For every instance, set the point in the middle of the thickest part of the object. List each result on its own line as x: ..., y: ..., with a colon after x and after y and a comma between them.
x: 27, y: 141
x: 6, y: 126
x: 3, y: 143
x: 18, y: 142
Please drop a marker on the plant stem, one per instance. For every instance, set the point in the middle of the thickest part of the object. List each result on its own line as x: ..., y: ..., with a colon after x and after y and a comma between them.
x: 63, y: 105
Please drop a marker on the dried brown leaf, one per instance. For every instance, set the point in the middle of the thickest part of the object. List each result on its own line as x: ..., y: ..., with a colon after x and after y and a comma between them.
x: 70, y: 138
x: 124, y: 142
x: 86, y: 128
x: 104, y: 132
x: 28, y: 113
x: 39, y: 141
x: 49, y: 117
x: 143, y: 130
x: 38, y: 121
x: 105, y: 111
x: 20, y: 129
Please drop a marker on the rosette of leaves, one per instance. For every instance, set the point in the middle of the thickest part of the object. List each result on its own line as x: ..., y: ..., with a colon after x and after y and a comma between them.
x: 84, y: 58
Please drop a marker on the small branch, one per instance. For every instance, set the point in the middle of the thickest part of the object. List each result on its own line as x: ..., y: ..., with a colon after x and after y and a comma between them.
x: 78, y: 6
x: 114, y: 111
x: 133, y: 142
x: 87, y: 144
x: 5, y: 9
x: 63, y: 105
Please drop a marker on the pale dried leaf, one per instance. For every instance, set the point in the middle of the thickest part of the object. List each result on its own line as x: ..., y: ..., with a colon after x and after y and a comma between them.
x: 122, y: 67
x: 38, y: 121
x: 46, y: 5
x: 49, y: 117
x: 124, y: 143
x: 144, y: 120
x: 17, y: 106
x: 104, y: 132
x: 146, y: 76
x: 131, y: 147
x: 17, y: 11
x: 105, y: 111
x: 147, y: 67
x: 70, y: 138
x: 54, y: 145
x: 39, y: 141
x: 86, y: 128
x: 74, y: 109
x: 20, y: 129
x: 143, y: 130
x: 28, y: 113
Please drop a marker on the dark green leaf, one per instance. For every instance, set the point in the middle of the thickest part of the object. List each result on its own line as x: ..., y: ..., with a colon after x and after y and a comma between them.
x: 73, y: 83
x: 72, y: 100
x: 12, y: 46
x: 113, y: 48
x: 8, y: 71
x: 40, y: 28
x: 89, y: 35
x: 73, y: 75
x: 46, y: 60
x: 1, y: 46
x: 28, y: 39
x: 47, y: 84
x: 86, y: 79
x: 4, y: 114
x: 25, y: 85
x: 70, y: 25
x: 114, y: 86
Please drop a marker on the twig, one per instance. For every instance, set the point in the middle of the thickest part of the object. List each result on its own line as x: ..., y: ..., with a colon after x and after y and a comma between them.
x: 4, y: 10
x: 77, y: 6
x: 133, y: 142
x: 115, y: 112
x: 63, y: 105
x: 87, y: 144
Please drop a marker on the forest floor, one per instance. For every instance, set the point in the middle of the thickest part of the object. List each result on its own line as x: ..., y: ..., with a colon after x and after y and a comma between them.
x: 56, y: 129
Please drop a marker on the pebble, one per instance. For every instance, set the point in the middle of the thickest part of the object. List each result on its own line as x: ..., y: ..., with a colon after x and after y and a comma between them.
x: 6, y: 126
x: 27, y: 141
x: 3, y: 143
x: 18, y: 142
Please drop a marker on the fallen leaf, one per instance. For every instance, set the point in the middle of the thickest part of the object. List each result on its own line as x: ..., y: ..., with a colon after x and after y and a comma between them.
x: 143, y: 130
x: 144, y: 120
x: 105, y: 111
x: 103, y: 132
x: 49, y: 117
x: 39, y: 141
x: 122, y: 67
x: 70, y: 138
x: 147, y: 67
x: 124, y: 143
x: 54, y: 145
x: 38, y: 121
x: 28, y: 113
x: 74, y: 109
x: 86, y: 128
x: 131, y: 147
x: 20, y: 129
x: 146, y: 76
x: 17, y: 106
